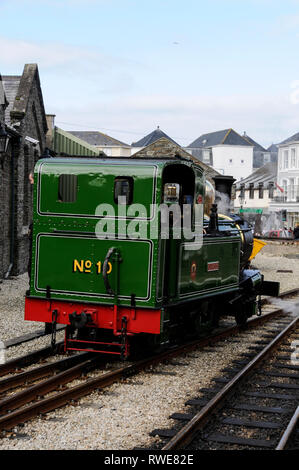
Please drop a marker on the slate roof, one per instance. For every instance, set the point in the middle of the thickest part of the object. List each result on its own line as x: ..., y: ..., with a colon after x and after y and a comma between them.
x: 151, y: 138
x: 165, y: 148
x: 3, y: 99
x: 293, y: 138
x: 97, y: 138
x: 224, y: 137
x: 11, y: 85
x: 272, y: 148
x: 18, y: 93
x: 265, y: 174
x: 252, y: 142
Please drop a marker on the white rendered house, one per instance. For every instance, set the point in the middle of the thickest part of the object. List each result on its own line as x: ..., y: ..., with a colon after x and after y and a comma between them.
x: 288, y: 180
x: 226, y: 151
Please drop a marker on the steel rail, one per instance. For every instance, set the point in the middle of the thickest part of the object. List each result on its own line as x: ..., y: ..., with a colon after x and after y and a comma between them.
x: 41, y: 371
x: 34, y: 356
x: 289, y: 431
x: 63, y: 397
x: 28, y: 337
x: 185, y: 435
x: 26, y: 396
x: 29, y: 359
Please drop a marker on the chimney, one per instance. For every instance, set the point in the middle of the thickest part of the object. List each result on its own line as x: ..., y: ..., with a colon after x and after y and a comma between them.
x: 50, y: 134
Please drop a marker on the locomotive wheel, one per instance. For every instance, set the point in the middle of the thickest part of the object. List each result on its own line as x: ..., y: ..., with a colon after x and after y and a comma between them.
x: 205, y: 321
x: 241, y: 319
x: 144, y: 344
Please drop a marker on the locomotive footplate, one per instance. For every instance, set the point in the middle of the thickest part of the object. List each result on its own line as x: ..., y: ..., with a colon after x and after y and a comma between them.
x: 93, y: 327
x: 86, y: 336
x: 115, y: 348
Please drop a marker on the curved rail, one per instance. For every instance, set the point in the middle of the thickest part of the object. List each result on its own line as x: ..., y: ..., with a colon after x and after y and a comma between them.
x: 186, y: 434
x: 289, y: 431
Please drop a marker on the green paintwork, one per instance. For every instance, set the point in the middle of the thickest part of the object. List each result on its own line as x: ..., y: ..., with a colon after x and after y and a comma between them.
x: 64, y: 232
x: 225, y: 252
x: 73, y: 265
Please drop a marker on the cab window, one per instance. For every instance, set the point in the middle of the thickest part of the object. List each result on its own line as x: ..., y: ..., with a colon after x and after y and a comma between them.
x: 67, y: 188
x: 123, y: 189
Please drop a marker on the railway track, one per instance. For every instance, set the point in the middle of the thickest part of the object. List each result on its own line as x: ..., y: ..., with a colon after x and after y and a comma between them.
x: 254, y: 408
x: 29, y: 337
x: 51, y: 392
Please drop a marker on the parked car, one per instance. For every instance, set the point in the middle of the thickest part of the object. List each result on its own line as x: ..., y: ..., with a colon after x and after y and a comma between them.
x: 281, y: 233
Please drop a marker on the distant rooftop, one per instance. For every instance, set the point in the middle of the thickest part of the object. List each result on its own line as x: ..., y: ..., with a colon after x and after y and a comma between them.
x: 3, y: 99
x: 97, y: 138
x: 265, y: 174
x: 293, y: 138
x: 151, y: 138
x: 11, y: 85
x: 224, y: 137
x: 252, y: 142
x: 272, y: 148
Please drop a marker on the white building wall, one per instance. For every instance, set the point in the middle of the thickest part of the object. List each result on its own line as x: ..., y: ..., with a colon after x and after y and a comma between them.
x: 135, y: 149
x: 288, y: 165
x: 234, y: 160
x: 256, y: 202
x: 288, y: 180
x: 115, y: 151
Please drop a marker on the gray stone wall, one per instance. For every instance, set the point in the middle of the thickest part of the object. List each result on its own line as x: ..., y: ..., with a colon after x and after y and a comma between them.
x: 31, y: 126
x: 28, y: 119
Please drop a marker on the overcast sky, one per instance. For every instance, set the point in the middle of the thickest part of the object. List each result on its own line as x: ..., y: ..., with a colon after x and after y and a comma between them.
x: 124, y: 67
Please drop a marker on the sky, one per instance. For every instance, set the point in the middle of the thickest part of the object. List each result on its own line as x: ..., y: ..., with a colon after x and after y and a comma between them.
x: 124, y: 67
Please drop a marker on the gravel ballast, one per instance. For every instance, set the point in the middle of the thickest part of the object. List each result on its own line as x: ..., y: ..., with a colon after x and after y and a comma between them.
x: 122, y: 416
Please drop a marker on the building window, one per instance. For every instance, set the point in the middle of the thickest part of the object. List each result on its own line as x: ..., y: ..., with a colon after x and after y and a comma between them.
x: 285, y: 189
x: 267, y: 158
x: 286, y: 159
x: 67, y: 188
x: 292, y: 189
x: 242, y: 191
x: 280, y: 161
x: 271, y: 190
x: 293, y: 158
x: 251, y: 191
x: 207, y: 156
x: 261, y: 191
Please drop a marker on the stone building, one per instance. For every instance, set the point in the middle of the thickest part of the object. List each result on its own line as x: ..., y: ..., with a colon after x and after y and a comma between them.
x: 150, y: 139
x: 26, y: 126
x: 166, y: 148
